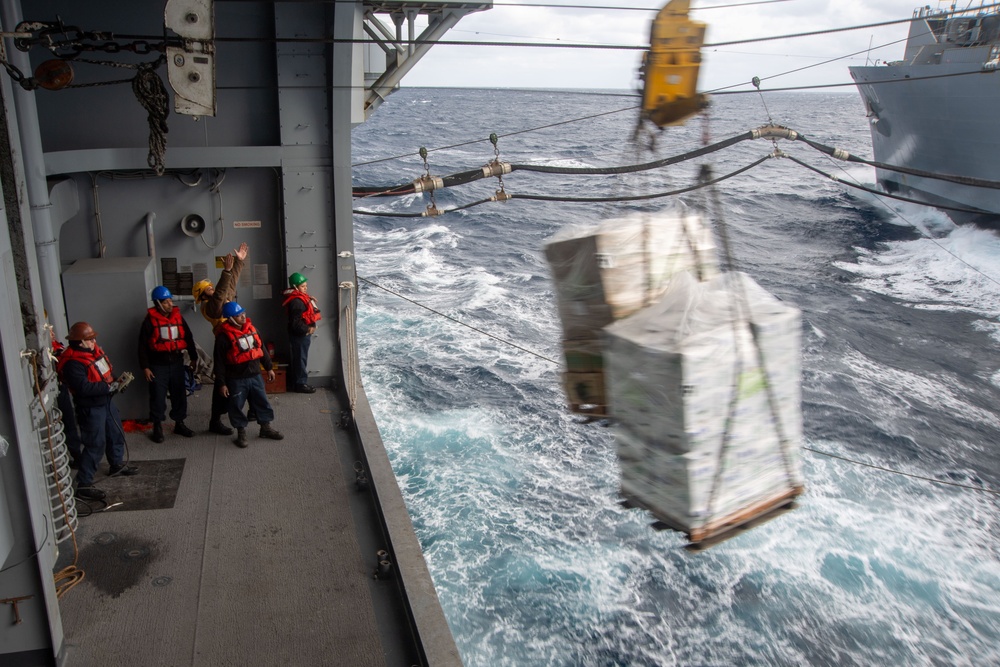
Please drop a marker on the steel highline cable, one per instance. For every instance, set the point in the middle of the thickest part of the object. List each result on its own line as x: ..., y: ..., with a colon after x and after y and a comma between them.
x: 553, y: 361
x: 631, y: 9
x: 563, y: 45
x: 716, y: 91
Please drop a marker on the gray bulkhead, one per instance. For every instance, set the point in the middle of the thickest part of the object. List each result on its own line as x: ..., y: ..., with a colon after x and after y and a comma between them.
x: 272, y: 168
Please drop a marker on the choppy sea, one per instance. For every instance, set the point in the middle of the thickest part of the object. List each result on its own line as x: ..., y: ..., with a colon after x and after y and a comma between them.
x: 516, y: 502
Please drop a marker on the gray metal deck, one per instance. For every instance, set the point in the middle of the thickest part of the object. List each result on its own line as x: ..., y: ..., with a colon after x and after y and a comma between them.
x: 260, y: 561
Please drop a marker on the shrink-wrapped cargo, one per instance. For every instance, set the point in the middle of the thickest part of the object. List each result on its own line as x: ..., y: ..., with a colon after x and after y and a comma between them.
x: 609, y: 270
x: 691, y: 399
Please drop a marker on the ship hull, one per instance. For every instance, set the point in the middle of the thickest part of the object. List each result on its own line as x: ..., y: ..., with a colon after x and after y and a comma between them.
x: 939, y: 118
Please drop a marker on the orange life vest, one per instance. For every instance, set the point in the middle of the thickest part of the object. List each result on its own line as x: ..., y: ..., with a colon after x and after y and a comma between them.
x: 311, y: 316
x: 244, y: 344
x: 168, y: 331
x: 97, y: 363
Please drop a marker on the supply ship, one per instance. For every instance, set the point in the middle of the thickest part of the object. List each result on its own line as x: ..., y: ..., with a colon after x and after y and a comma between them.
x: 141, y: 143
x: 932, y: 112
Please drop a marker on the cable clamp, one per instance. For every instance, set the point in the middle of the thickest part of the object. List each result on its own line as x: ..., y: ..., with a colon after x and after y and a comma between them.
x: 502, y: 195
x: 841, y: 154
x: 427, y: 184
x: 431, y: 211
x: 496, y: 168
x: 774, y: 132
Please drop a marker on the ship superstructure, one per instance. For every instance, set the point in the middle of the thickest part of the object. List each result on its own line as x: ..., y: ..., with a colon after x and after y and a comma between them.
x: 934, y: 111
x: 141, y: 142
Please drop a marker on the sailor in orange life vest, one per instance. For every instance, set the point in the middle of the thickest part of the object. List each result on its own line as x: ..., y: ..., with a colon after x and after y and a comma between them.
x: 238, y: 357
x: 163, y: 337
x: 303, y: 314
x: 210, y: 300
x: 65, y: 403
x: 86, y: 370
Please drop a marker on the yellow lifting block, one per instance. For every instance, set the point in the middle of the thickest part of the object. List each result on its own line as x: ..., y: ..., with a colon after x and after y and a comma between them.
x: 670, y: 68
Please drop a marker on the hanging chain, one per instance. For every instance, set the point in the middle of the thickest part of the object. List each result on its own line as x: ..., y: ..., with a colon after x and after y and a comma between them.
x: 75, y: 41
x: 67, y: 43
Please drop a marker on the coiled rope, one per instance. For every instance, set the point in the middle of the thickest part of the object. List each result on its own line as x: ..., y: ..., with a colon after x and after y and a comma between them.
x: 152, y: 95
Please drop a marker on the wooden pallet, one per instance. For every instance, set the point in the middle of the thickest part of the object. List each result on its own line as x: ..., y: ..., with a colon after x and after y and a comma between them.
x: 591, y: 410
x: 727, y: 527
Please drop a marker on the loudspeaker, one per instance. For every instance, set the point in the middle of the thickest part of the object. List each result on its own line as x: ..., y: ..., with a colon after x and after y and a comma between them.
x: 193, y: 224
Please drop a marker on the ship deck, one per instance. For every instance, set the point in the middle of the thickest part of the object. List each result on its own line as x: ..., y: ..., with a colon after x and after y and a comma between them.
x: 227, y: 556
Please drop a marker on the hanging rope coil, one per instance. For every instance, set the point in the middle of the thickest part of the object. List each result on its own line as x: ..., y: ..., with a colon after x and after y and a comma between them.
x: 152, y: 95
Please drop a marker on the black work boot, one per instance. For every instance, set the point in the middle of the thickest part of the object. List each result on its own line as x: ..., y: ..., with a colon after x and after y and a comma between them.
x: 241, y: 437
x: 157, y: 435
x: 216, y: 426
x: 122, y: 469
x: 267, y: 431
x: 89, y: 492
x: 181, y: 429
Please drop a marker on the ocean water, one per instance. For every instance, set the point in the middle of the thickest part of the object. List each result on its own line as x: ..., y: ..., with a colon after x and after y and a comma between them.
x: 515, y: 501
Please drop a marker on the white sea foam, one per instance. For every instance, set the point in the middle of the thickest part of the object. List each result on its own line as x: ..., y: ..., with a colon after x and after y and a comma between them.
x: 516, y: 504
x: 961, y: 269
x: 891, y: 391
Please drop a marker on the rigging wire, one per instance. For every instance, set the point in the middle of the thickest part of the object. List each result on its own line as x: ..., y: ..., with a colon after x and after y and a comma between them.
x: 457, y: 321
x: 566, y: 45
x: 886, y: 195
x: 805, y: 67
x: 970, y: 487
x: 818, y: 452
x: 882, y: 196
x: 501, y: 136
x: 717, y: 91
x: 826, y: 150
x: 725, y: 90
x: 632, y: 9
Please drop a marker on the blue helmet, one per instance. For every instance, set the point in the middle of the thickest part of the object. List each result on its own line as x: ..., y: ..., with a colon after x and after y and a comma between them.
x: 232, y: 309
x: 161, y: 293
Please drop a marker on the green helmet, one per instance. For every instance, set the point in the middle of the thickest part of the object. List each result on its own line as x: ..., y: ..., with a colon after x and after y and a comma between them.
x: 296, y: 279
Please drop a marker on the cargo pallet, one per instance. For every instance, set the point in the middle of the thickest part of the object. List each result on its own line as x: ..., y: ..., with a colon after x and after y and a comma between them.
x: 591, y: 411
x: 727, y: 527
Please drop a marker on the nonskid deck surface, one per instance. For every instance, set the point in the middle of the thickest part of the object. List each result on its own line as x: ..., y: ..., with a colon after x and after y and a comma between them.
x: 256, y: 563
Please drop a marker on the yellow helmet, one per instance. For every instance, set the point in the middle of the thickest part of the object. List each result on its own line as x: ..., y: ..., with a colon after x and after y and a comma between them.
x: 199, y: 288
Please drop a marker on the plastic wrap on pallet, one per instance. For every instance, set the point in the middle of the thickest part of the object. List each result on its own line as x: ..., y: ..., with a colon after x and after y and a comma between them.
x: 611, y: 269
x: 671, y: 370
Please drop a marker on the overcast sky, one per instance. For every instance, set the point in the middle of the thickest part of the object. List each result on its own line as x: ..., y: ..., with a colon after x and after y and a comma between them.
x: 723, y: 66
